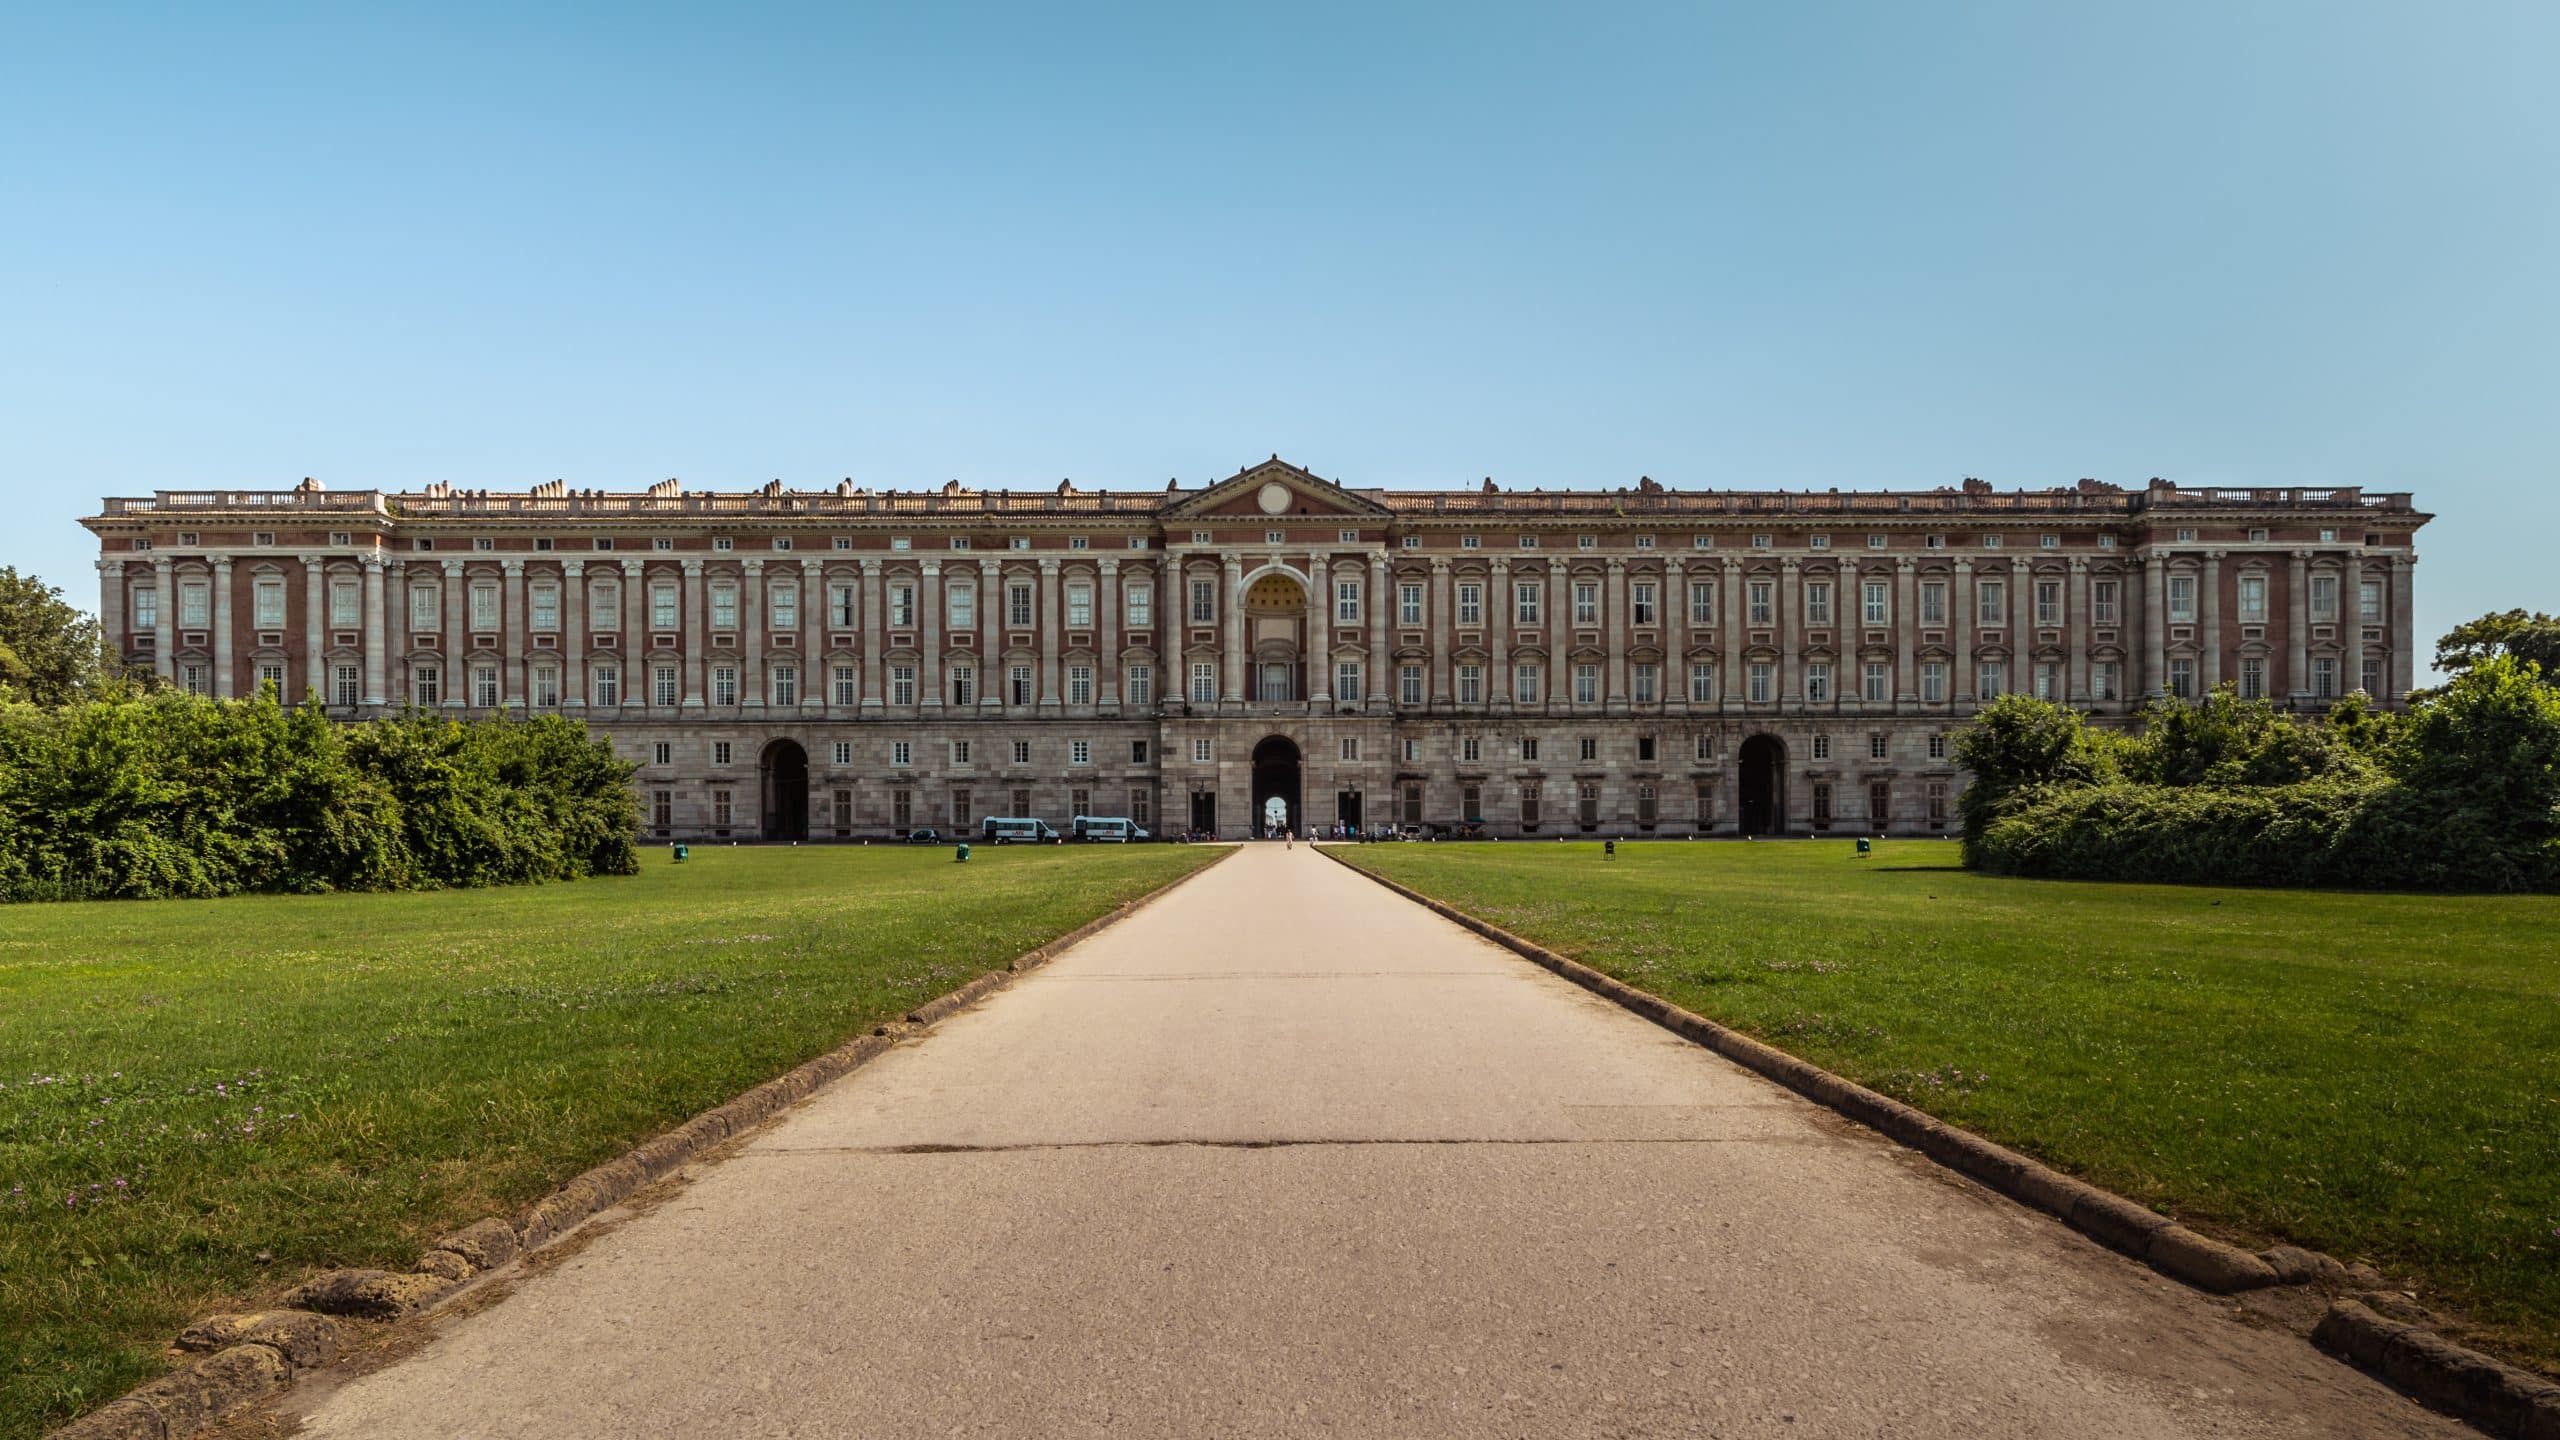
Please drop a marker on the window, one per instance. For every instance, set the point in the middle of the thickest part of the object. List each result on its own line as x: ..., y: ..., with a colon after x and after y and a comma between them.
x: 724, y: 684
x: 2182, y: 679
x: 1529, y: 748
x: 1937, y: 804
x: 1409, y: 685
x: 1702, y: 683
x: 2049, y: 542
x: 1200, y: 752
x: 1640, y: 603
x: 1346, y: 681
x: 1933, y: 602
x: 2048, y: 680
x: 1138, y: 605
x: 1079, y: 605
x: 1471, y: 803
x: 424, y: 602
x: 1817, y: 602
x: 1938, y: 746
x: 1587, y: 802
x: 546, y: 687
x: 1873, y: 682
x: 1586, y: 684
x: 1879, y: 746
x: 1702, y: 602
x: 964, y: 685
x: 902, y: 809
x: 2048, y: 602
x: 902, y: 753
x: 1645, y: 747
x: 1079, y: 684
x: 1471, y: 749
x: 1529, y: 805
x: 1702, y: 542
x: 843, y: 809
x: 1705, y: 748
x: 1412, y: 542
x: 1589, y: 748
x: 1275, y: 537
x: 1586, y: 603
x: 840, y: 606
x: 1644, y: 542
x: 266, y: 604
x: 1524, y: 601
x: 1409, y: 604
x: 1021, y: 752
x: 2371, y: 679
x: 1933, y: 681
x: 1817, y: 682
x: 1204, y: 682
x: 1018, y: 542
x: 960, y: 605
x: 1762, y: 542
x: 1017, y: 681
x: 1350, y: 747
x: 1877, y: 609
x: 146, y: 608
x: 1141, y: 685
x: 1079, y: 752
x: 605, y: 613
x: 1471, y: 603
x: 2102, y: 602
x: 1204, y: 602
x: 724, y: 605
x: 2324, y: 599
x: 662, y: 543
x: 662, y: 685
x: 1648, y: 682
x: 1137, y: 752
x: 1525, y: 683
x: 484, y: 605
x: 1879, y: 803
x: 786, y: 684
x: 271, y: 673
x: 2182, y: 599
x: 1759, y: 682
x: 2102, y: 680
x: 721, y: 811
x: 902, y: 684
x: 345, y: 683
x: 1817, y: 542
x: 426, y: 685
x: 1470, y: 542
x: 1763, y: 604
x: 1078, y: 542
x: 1821, y: 747
x: 2258, y: 536
x: 902, y: 606
x: 545, y: 607
x: 843, y: 685
x: 1648, y: 804
x: 1994, y: 681
x: 1471, y: 684
x: 2253, y: 599
x: 1990, y: 602
x: 1528, y: 542
x: 785, y: 605
x: 1141, y: 805
x: 2369, y: 601
x: 1586, y: 542
x: 608, y: 685
x: 662, y: 606
x: 483, y: 543
x: 484, y: 687
x: 2253, y: 677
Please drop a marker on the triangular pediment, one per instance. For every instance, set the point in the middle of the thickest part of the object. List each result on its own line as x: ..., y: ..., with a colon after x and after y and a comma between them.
x: 1275, y: 490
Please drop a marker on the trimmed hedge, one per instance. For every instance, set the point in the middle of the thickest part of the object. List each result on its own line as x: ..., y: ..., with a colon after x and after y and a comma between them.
x: 167, y: 795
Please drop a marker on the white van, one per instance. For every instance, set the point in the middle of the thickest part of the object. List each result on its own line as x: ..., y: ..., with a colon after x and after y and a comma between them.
x: 1016, y: 830
x: 1106, y: 829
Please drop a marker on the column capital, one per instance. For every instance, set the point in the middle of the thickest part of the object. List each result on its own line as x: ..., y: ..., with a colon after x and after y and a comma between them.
x: 633, y: 568
x: 931, y: 568
x: 1906, y: 564
x: 513, y: 568
x: 2215, y: 555
x: 1439, y: 565
x: 1674, y: 564
x: 220, y: 562
x: 754, y: 564
x: 374, y: 563
x: 2405, y: 560
x: 870, y: 565
x: 1110, y: 565
x: 1964, y: 564
x: 452, y: 567
x: 1050, y: 567
x: 2079, y: 563
x: 116, y: 567
x: 1791, y: 564
x: 1616, y: 564
x: 572, y: 568
x: 2299, y: 554
x: 988, y: 565
x: 1501, y: 564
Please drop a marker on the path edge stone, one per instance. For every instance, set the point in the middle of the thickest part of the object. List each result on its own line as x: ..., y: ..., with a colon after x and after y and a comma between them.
x: 198, y: 1394
x: 2487, y: 1393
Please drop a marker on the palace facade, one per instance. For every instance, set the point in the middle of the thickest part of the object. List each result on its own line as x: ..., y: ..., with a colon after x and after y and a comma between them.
x: 852, y: 663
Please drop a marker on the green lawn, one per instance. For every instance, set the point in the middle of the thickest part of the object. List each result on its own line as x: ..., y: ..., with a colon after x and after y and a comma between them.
x: 2377, y: 1076
x: 203, y: 1101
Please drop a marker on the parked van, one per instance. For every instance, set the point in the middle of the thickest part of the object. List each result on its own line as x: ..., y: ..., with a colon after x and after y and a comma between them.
x: 1106, y: 829
x: 1016, y: 830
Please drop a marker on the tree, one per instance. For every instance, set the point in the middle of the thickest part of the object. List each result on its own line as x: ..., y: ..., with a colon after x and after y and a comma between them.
x: 2531, y: 637
x: 50, y: 652
x: 2017, y: 742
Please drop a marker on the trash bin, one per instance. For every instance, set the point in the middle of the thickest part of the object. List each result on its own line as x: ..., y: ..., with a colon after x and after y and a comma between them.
x: 959, y: 853
x: 1609, y: 849
x: 681, y: 852
x: 1866, y: 847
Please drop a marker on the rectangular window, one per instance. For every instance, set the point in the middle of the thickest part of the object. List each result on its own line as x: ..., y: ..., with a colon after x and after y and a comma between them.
x: 1471, y: 684
x: 662, y: 686
x: 1586, y: 603
x: 1990, y: 602
x: 1021, y: 752
x: 902, y: 607
x: 1346, y: 681
x: 2253, y: 599
x: 2371, y: 680
x: 1525, y: 683
x: 146, y: 608
x: 1586, y: 684
x: 721, y: 810
x: 1529, y: 805
x: 902, y: 753
x: 1204, y: 682
x: 844, y: 684
x: 1817, y: 603
x: 1346, y: 601
x: 724, y: 684
x: 1763, y: 603
x: 2102, y: 680
x: 1933, y: 602
x: 1141, y: 685
x: 843, y: 805
x: 1138, y: 603
x: 1933, y: 681
x: 1879, y: 747
x: 545, y: 607
x: 346, y: 683
x: 484, y: 606
x: 2182, y: 679
x: 1017, y: 682
x: 1937, y: 804
x: 1204, y: 602
x: 1759, y: 682
x: 1640, y: 605
x: 1702, y: 682
x: 2102, y: 602
x: 964, y: 685
x: 1821, y: 747
x: 1648, y: 804
x: 1879, y: 803
x: 1471, y: 603
x: 426, y: 686
x: 840, y: 602
x: 2369, y: 601
x: 2324, y: 599
x: 1877, y: 611
x: 546, y: 687
x: 902, y: 684
x: 1079, y: 606
x: 1587, y: 802
x: 1350, y: 747
x: 1079, y: 684
x: 2253, y: 677
x: 902, y: 809
x: 425, y: 601
x: 784, y: 601
x: 1137, y: 752
x: 2182, y: 599
x: 1817, y: 682
x: 271, y: 673
x: 1200, y: 752
x: 2048, y: 680
x: 1409, y: 685
x: 1995, y: 679
x: 1079, y: 752
x: 1409, y: 604
x: 2048, y: 602
x: 1872, y: 686
x: 1529, y: 748
x: 1702, y: 602
x: 1525, y: 596
x: 662, y: 607
x: 605, y: 611
x: 484, y: 687
x: 1648, y: 682
x: 266, y: 604
x: 608, y: 685
x: 786, y: 684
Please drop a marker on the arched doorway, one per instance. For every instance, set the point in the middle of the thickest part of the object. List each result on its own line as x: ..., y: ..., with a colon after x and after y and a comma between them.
x: 1275, y: 776
x: 1276, y: 614
x: 1764, y: 786
x: 782, y: 774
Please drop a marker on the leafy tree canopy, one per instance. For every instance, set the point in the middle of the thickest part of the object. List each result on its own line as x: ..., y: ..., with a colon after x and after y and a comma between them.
x: 2533, y: 637
x: 50, y: 652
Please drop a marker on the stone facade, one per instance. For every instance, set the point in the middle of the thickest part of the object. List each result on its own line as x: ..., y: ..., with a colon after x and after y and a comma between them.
x: 851, y: 664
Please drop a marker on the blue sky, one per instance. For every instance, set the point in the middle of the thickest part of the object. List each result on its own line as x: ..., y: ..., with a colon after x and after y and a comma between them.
x: 1793, y: 246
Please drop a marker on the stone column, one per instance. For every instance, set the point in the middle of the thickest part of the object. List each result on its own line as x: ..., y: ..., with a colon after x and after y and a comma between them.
x: 751, y: 633
x: 817, y: 688
x: 573, y: 635
x: 930, y: 619
x: 2075, y: 621
x: 639, y: 687
x: 1960, y: 603
x: 1319, y: 632
x: 691, y: 602
x: 1381, y: 587
x: 2351, y: 620
x: 1559, y: 691
x: 874, y: 601
x: 1438, y: 633
x: 2211, y: 619
x: 2403, y: 659
x: 111, y: 610
x: 1499, y: 615
x: 377, y: 634
x: 1051, y: 642
x: 1108, y: 627
x: 453, y: 641
x: 1790, y: 634
x: 990, y: 643
x: 1613, y: 631
x: 2155, y: 623
x: 1906, y: 629
x: 1731, y: 636
x: 1232, y: 666
x: 164, y: 625
x: 513, y: 692
x: 2297, y: 616
x: 2022, y: 630
x: 223, y: 688
x: 315, y: 621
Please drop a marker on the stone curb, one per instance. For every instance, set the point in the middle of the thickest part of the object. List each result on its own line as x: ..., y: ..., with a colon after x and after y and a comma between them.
x: 259, y: 1354
x: 2498, y: 1398
x: 2104, y: 1216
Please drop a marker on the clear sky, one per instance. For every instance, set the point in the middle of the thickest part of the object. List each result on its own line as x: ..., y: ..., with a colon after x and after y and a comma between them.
x: 1772, y: 245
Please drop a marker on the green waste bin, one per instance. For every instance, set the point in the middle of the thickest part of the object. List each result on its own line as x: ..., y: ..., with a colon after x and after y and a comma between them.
x: 1866, y: 847
x: 681, y: 852
x: 959, y: 853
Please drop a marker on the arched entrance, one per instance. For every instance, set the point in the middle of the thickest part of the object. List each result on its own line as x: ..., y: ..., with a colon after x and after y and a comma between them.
x: 1276, y: 616
x: 782, y: 775
x: 1764, y: 786
x: 1275, y: 776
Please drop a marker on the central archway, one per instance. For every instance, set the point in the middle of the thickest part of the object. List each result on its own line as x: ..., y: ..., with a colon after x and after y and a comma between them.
x: 782, y: 774
x: 1764, y: 785
x: 1275, y: 776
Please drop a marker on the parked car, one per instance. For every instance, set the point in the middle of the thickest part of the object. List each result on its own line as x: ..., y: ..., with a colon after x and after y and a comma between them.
x: 1016, y: 830
x: 925, y: 836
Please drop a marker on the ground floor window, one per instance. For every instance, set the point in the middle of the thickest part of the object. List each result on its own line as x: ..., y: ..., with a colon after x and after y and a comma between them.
x: 1021, y: 802
x: 720, y: 810
x: 1412, y: 804
x: 1079, y: 802
x: 1937, y: 804
x: 1471, y: 804
x: 1879, y: 802
x: 844, y: 809
x: 963, y: 814
x: 1142, y: 806
x: 662, y: 808
x: 846, y: 684
x: 2182, y: 679
x: 1529, y: 807
x: 1821, y: 802
x: 902, y: 808
x: 1648, y: 805
x: 1706, y: 799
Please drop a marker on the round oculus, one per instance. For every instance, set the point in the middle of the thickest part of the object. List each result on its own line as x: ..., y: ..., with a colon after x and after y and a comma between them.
x: 1273, y: 498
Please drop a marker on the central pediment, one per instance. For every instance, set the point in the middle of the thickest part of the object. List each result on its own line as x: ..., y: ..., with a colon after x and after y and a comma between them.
x: 1275, y: 490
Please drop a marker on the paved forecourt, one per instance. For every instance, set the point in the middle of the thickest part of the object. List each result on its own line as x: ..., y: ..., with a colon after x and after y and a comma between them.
x: 1286, y: 1154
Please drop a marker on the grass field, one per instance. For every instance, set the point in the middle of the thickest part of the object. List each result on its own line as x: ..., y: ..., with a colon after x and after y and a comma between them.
x: 203, y: 1101
x: 2374, y: 1075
